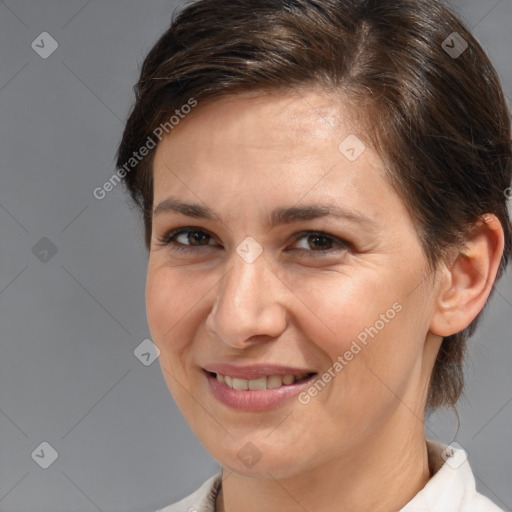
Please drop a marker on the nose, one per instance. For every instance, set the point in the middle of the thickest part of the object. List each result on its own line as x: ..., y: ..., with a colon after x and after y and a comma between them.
x: 249, y: 307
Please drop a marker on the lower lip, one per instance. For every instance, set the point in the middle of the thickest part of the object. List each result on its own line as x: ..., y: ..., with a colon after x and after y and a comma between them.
x: 249, y: 400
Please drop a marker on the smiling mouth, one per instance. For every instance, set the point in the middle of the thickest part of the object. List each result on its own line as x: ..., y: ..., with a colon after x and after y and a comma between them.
x: 261, y: 383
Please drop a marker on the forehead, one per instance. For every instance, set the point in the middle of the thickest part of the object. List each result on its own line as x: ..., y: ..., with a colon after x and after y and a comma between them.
x: 264, y: 150
x: 272, y: 119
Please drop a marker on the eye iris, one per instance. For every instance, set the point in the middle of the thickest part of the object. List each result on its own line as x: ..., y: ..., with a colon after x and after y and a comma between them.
x: 196, y: 236
x: 320, y: 237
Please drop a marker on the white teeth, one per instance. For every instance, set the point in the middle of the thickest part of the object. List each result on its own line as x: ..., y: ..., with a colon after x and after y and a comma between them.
x: 240, y: 384
x: 259, y: 384
x: 274, y: 381
x: 288, y: 379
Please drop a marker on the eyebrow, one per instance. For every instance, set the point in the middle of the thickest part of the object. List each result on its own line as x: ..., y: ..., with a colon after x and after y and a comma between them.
x: 277, y: 217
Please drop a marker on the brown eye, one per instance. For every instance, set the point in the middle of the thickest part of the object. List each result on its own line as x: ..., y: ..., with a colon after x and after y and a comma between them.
x: 321, y: 242
x: 186, y: 239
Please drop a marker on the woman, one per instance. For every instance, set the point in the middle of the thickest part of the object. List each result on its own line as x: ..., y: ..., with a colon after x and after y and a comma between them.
x: 323, y: 186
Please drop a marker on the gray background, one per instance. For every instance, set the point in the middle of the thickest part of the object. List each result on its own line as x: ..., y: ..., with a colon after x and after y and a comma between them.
x: 69, y: 325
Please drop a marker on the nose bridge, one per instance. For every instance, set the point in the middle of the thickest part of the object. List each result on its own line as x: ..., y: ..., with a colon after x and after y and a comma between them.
x: 247, y: 303
x: 245, y: 281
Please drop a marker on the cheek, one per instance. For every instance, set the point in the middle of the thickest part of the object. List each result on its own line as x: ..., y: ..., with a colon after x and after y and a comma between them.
x: 171, y: 296
x: 173, y: 307
x: 347, y: 308
x: 372, y: 329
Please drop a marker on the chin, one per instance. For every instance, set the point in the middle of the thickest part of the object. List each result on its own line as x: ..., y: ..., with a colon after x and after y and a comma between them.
x: 253, y: 457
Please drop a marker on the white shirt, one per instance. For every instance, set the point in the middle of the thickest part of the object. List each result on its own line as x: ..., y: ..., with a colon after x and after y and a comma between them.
x: 451, y: 489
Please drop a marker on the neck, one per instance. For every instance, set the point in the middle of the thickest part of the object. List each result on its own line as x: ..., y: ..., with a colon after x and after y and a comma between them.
x: 379, y: 475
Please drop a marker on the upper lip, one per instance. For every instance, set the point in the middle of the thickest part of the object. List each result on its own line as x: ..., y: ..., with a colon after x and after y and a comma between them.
x: 254, y: 371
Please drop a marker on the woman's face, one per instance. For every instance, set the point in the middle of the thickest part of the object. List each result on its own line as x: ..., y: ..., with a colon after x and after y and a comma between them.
x: 256, y: 300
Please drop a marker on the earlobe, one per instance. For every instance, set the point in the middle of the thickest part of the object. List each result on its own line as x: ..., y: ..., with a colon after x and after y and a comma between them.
x: 465, y: 285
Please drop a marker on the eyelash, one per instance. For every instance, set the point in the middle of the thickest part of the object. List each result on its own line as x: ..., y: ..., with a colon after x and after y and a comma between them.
x: 168, y: 240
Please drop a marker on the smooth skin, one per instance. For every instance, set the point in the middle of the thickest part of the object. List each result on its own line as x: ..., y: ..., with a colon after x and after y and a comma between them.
x: 358, y: 445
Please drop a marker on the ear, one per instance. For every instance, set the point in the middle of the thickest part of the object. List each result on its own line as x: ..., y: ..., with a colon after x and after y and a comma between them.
x: 465, y: 285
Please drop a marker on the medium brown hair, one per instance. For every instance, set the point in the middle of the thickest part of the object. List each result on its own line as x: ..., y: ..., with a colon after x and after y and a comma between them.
x: 439, y: 121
